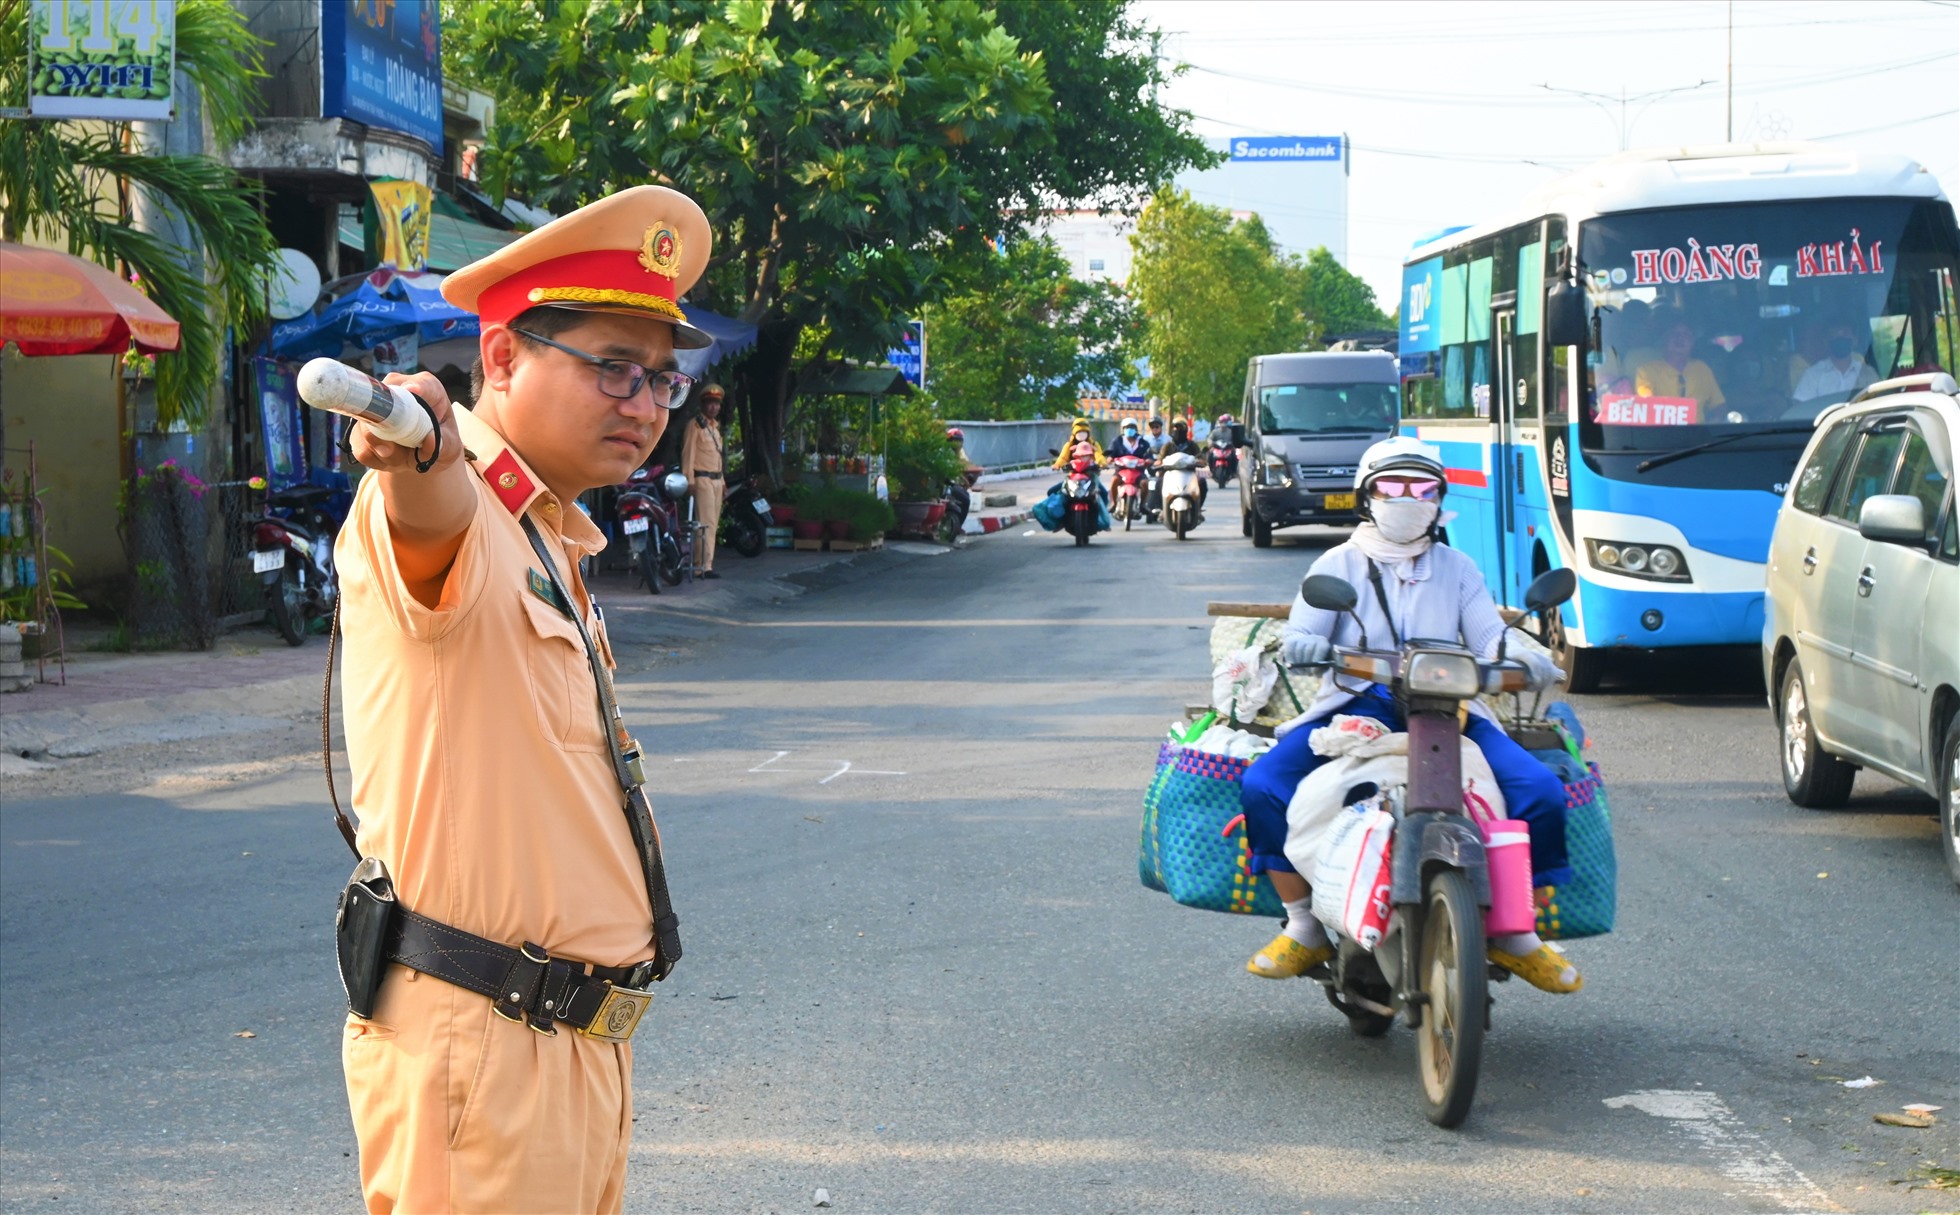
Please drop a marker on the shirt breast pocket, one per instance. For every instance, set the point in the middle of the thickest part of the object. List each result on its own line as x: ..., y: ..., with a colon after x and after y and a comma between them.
x: 562, y: 691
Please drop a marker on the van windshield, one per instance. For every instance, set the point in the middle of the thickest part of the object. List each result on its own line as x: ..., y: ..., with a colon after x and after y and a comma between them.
x: 1318, y: 409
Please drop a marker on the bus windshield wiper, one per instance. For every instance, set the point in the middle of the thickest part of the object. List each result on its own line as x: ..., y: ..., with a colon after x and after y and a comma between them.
x: 1697, y: 449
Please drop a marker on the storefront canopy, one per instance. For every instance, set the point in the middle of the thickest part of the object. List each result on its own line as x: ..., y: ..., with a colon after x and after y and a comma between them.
x: 55, y: 303
x: 453, y: 242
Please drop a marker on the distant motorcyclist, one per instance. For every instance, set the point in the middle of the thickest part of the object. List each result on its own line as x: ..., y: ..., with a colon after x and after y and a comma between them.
x: 1156, y: 436
x: 1079, y: 436
x: 1180, y: 443
x: 1409, y: 586
x: 1128, y: 443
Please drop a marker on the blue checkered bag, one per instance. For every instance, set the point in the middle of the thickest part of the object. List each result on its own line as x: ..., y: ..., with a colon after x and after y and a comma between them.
x: 1194, y: 846
x: 1585, y: 905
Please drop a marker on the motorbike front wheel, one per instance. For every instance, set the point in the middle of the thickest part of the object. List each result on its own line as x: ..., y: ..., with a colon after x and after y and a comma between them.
x: 289, y: 604
x: 745, y: 534
x: 1450, y: 1040
x: 673, y: 566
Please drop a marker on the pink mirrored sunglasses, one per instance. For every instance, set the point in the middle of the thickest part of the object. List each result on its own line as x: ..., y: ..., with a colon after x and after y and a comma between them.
x: 1426, y: 489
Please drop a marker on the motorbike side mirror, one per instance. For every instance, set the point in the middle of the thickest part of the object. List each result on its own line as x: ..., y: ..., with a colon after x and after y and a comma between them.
x: 1054, y: 451
x: 1331, y: 594
x: 1550, y: 589
x: 1328, y: 593
x: 1565, y: 315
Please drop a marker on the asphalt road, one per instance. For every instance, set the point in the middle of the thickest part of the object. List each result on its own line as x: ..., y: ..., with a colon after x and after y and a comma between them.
x: 901, y: 816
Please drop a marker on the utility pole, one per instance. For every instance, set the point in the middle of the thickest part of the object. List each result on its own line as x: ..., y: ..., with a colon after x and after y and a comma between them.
x: 1729, y: 109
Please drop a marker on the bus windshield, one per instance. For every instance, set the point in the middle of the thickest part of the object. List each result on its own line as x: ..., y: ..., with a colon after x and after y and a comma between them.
x: 1318, y: 409
x: 1719, y: 321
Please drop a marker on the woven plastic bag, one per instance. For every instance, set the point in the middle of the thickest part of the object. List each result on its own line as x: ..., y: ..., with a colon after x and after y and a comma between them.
x: 1243, y: 683
x: 1585, y: 905
x: 1193, y: 845
x: 1292, y: 691
x: 1352, y: 880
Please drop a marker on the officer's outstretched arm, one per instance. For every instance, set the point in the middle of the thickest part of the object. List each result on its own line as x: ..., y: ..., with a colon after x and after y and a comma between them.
x: 428, y: 512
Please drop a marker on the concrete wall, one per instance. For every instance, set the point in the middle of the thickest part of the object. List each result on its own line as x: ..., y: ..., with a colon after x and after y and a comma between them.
x: 67, y: 407
x: 1009, y: 444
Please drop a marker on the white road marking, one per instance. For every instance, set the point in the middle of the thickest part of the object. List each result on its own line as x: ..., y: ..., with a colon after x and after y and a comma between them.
x: 1740, y: 1154
x: 838, y: 768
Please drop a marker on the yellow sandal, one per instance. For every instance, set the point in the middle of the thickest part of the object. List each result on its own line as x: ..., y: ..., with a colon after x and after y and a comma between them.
x: 1544, y: 968
x: 1286, y: 958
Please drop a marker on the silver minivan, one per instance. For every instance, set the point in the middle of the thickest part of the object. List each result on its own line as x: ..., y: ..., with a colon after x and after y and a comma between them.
x: 1308, y: 418
x: 1861, y: 633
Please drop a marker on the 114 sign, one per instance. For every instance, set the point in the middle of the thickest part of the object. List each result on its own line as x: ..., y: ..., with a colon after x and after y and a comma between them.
x: 108, y: 59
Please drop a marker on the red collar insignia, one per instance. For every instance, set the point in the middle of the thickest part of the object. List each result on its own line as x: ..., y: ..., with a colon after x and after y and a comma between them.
x: 508, y: 480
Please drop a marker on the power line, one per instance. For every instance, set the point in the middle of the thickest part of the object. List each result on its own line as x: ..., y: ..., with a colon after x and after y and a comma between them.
x: 1485, y: 32
x: 1890, y: 126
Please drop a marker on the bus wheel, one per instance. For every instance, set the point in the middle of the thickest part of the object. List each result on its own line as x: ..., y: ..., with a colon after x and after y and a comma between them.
x: 1583, y: 665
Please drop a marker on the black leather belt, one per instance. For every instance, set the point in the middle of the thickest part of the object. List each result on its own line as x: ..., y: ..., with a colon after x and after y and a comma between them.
x: 712, y: 476
x: 528, y: 984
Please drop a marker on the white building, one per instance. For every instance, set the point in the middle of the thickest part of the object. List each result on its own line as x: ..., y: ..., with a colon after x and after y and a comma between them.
x: 1097, y: 246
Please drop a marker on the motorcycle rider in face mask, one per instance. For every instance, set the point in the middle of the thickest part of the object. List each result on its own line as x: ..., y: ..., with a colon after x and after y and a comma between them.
x: 1129, y: 443
x: 1409, y: 587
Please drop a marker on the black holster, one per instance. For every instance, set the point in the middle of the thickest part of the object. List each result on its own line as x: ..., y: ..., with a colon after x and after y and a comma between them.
x: 363, y: 931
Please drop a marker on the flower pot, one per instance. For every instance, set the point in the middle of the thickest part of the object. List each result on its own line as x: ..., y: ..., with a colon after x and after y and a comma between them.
x: 934, y: 514
x: 782, y: 513
x: 808, y: 529
x: 912, y: 517
x: 837, y: 529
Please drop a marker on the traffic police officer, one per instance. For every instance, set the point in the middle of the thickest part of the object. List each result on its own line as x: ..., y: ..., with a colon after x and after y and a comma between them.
x: 701, y: 463
x: 483, y: 775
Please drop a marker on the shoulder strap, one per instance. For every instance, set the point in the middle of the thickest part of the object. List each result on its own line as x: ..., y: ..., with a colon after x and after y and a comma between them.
x: 627, y: 768
x: 340, y: 818
x: 1381, y: 597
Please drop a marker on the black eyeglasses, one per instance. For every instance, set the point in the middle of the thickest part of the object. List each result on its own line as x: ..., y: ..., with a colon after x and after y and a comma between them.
x: 622, y: 379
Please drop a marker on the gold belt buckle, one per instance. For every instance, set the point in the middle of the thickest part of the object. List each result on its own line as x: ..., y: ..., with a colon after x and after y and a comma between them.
x: 619, y: 1014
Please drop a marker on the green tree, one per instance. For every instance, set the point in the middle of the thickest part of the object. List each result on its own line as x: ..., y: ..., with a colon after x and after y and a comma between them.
x: 1334, y: 300
x: 843, y: 151
x: 73, y: 182
x: 1021, y: 337
x: 1213, y: 292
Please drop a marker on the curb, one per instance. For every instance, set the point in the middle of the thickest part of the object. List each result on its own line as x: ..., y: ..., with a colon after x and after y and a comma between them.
x: 987, y: 525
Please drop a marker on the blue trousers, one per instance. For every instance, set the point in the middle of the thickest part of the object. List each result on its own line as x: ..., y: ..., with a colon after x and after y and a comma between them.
x: 1532, y: 792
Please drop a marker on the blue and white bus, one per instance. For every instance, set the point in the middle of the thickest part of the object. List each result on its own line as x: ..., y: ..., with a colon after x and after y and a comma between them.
x: 1622, y: 372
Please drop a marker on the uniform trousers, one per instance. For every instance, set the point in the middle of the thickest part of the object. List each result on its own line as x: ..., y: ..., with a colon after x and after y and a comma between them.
x: 459, y: 1110
x: 707, y: 511
x: 1532, y: 792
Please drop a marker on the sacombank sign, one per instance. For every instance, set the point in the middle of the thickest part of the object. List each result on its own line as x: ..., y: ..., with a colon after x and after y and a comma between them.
x: 1288, y: 147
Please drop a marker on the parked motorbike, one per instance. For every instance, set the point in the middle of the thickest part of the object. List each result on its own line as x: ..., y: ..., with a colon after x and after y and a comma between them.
x: 1083, y: 509
x: 650, y: 507
x: 1127, y: 502
x: 744, y: 516
x: 1180, y: 493
x: 292, y: 553
x: 959, y: 504
x: 1223, y: 460
x: 1430, y: 963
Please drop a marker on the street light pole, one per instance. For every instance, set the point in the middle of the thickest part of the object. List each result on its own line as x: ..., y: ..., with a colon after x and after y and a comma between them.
x: 1606, y: 101
x: 1729, y: 109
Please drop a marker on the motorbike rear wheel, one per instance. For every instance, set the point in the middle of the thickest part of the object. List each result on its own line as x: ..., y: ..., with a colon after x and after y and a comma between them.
x: 648, y: 570
x: 1362, y: 1021
x: 289, y: 604
x: 1450, y: 968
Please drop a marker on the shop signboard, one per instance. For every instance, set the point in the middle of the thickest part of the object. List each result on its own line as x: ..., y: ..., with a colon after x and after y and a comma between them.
x: 381, y: 64
x: 279, y: 424
x: 909, y: 356
x: 101, y: 59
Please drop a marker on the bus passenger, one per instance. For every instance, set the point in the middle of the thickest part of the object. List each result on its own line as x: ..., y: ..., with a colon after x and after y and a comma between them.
x: 1811, y: 345
x: 1677, y: 373
x: 1629, y: 346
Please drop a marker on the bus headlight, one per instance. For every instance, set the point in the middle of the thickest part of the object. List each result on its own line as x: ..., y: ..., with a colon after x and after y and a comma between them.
x: 1433, y: 673
x: 1656, y: 562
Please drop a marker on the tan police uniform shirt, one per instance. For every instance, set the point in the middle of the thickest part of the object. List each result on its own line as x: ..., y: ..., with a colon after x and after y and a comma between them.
x: 483, y: 781
x: 701, y: 450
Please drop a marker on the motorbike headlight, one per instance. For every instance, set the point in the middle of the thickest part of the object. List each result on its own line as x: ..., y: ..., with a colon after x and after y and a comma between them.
x: 1654, y: 562
x: 1441, y: 674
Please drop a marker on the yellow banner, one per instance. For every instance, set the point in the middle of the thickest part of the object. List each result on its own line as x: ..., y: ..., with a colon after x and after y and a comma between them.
x: 404, y: 209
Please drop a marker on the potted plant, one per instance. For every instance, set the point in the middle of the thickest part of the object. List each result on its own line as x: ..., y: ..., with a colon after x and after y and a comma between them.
x: 871, y: 518
x: 920, y: 463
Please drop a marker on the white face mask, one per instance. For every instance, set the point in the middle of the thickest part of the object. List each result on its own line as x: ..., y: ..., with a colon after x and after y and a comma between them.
x: 1401, y: 520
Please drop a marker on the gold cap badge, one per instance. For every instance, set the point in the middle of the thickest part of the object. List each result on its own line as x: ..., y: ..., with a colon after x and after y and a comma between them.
x: 660, y: 250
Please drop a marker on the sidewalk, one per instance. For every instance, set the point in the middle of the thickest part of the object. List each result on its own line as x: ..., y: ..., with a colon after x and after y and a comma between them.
x: 251, y: 680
